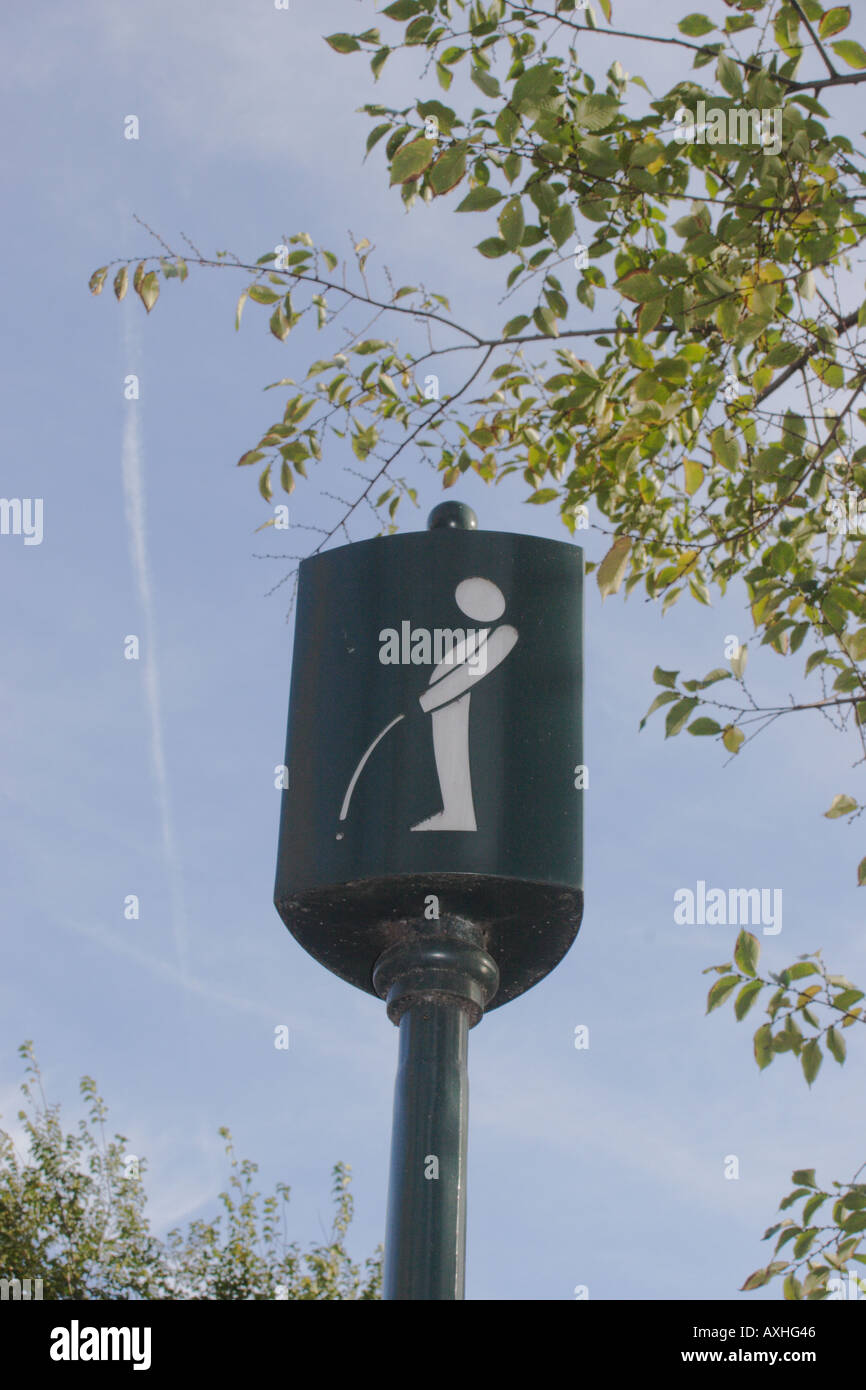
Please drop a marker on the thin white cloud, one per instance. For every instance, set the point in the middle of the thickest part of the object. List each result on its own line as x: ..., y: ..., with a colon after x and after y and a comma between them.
x: 134, y: 506
x: 364, y: 1054
x: 178, y: 976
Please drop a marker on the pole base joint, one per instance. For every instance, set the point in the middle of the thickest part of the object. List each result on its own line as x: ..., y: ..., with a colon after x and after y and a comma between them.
x: 439, y: 969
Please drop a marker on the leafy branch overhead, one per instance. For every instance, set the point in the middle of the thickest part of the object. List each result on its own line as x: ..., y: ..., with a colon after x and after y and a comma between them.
x: 788, y: 1008
x: 716, y: 434
x: 820, y: 1252
x: 800, y: 1017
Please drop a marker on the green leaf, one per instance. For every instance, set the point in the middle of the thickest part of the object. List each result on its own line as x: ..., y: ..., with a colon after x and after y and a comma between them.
x: 733, y: 738
x: 506, y: 125
x: 97, y: 280
x: 717, y: 674
x: 411, y: 160
x: 545, y: 321
x: 724, y: 446
x: 402, y: 9
x: 611, y: 571
x: 121, y: 281
x: 387, y: 385
x: 251, y: 456
x: 445, y: 78
x: 279, y: 324
x: 511, y: 223
x: 763, y: 1046
x: 789, y: 1201
x: 342, y: 43
x: 694, y: 25
x: 545, y: 494
x: 791, y: 1287
x: 804, y: 1177
x: 836, y: 1045
x: 678, y: 714
x: 720, y: 991
x: 861, y: 873
x: 640, y: 285
x: 846, y: 997
x: 703, y: 727
x: 834, y: 20
x: 485, y: 81
x: 149, y: 290
x: 480, y: 199
x: 746, y: 998
x: 668, y: 678
x: 296, y: 452
x: 265, y: 484
x: 492, y: 247
x: 782, y: 355
x: 854, y: 54
x: 796, y: 972
x: 596, y: 112
x: 728, y: 74
x: 810, y: 1059
x: 532, y: 85
x: 815, y: 659
x: 561, y: 224
x: 262, y: 295
x: 746, y: 952
x: 855, y: 643
x: 449, y: 169
x: 664, y: 699
x: 841, y: 805
x: 649, y: 315
x: 376, y: 134
x: 515, y: 326
x: 378, y: 61
x: 812, y: 1205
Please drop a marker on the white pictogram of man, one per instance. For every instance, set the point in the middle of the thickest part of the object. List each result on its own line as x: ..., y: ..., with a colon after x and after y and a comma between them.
x: 447, y: 697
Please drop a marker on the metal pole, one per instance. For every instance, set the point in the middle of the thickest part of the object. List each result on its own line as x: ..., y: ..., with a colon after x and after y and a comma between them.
x: 436, y: 988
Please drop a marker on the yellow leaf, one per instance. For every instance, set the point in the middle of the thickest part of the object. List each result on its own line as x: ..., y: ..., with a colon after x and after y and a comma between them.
x: 732, y: 738
x: 148, y: 290
x: 694, y: 472
x: 611, y: 571
x: 687, y: 561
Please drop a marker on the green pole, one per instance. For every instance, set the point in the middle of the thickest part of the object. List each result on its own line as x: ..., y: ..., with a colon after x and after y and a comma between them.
x: 436, y: 987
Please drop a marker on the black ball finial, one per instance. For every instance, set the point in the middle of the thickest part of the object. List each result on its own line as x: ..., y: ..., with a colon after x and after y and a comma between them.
x: 453, y: 515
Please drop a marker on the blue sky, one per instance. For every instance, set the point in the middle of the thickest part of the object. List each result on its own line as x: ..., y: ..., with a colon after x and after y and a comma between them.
x: 602, y: 1167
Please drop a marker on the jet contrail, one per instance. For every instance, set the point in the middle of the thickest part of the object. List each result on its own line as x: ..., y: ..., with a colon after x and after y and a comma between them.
x: 133, y: 498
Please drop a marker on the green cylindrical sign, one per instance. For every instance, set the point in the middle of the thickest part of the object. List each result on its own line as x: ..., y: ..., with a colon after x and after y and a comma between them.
x: 434, y: 749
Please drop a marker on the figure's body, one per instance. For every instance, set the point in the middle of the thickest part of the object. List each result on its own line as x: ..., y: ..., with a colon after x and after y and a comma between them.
x: 447, y: 698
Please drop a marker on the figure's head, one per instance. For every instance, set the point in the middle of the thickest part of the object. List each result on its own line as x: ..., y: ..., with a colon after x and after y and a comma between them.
x: 480, y: 599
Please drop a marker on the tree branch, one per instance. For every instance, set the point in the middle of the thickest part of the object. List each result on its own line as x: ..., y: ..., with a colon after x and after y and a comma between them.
x: 847, y: 322
x: 817, y: 42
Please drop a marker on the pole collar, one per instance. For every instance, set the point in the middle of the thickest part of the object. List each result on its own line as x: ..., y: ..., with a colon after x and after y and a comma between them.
x: 438, y: 969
